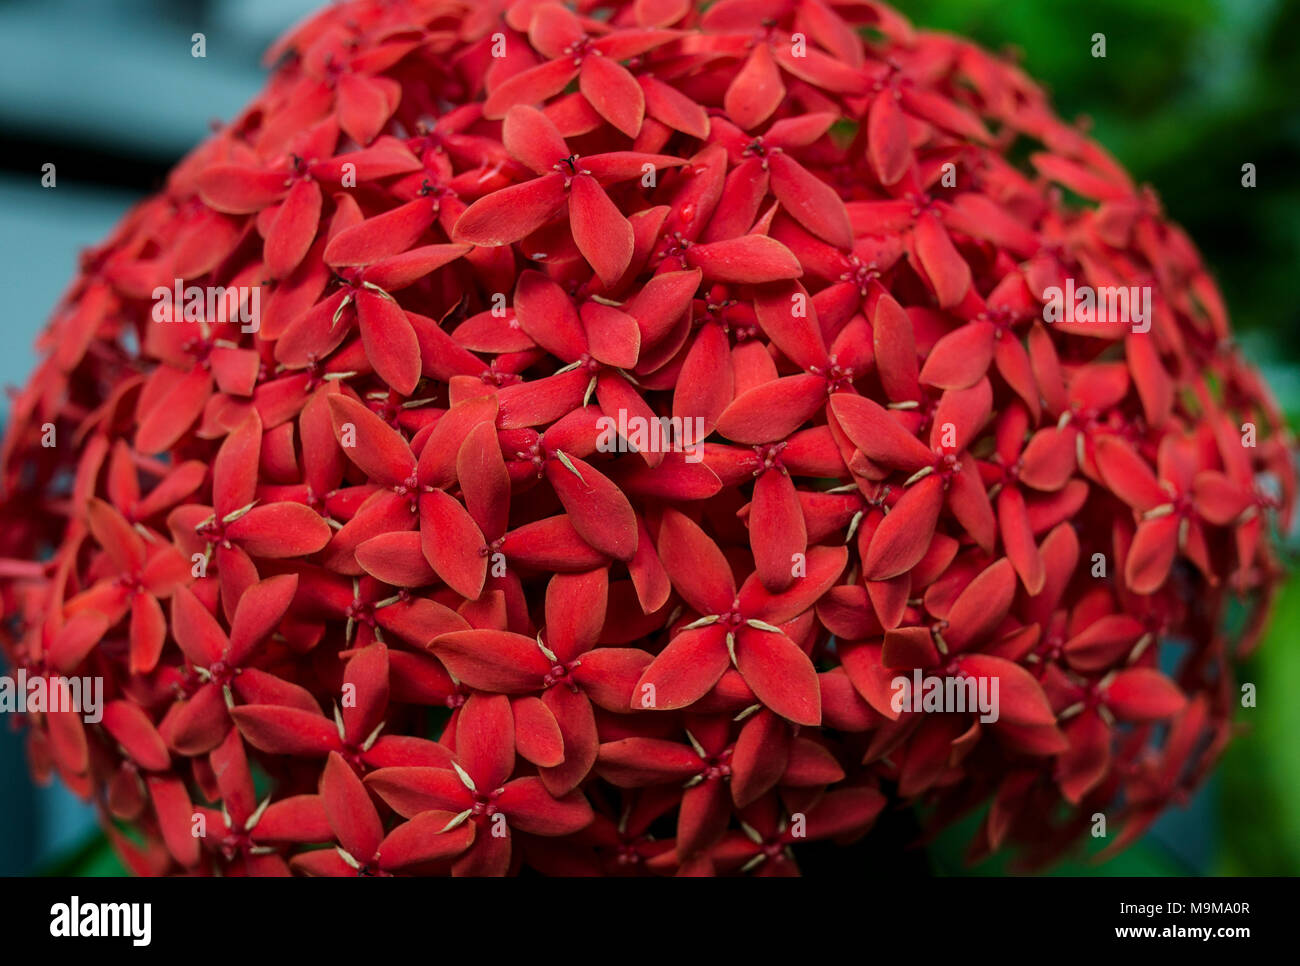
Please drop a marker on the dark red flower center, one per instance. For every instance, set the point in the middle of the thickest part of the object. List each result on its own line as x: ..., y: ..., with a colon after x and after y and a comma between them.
x: 717, y: 767
x: 561, y: 673
x: 361, y: 611
x: 213, y: 531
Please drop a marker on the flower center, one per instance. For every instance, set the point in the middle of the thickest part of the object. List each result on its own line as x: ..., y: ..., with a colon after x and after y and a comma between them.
x: 838, y: 378
x: 485, y: 805
x: 213, y: 532
x: 717, y: 767
x: 861, y: 274
x: 561, y: 674
x: 769, y: 458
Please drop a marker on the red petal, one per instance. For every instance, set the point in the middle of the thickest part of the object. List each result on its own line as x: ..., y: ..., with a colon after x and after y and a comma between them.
x: 530, y: 808
x: 572, y: 713
x: 172, y: 803
x: 695, y: 565
x: 258, y: 613
x: 749, y: 259
x: 379, y: 451
x: 980, y: 608
x: 1152, y: 554
x: 1018, y: 539
x: 492, y: 660
x: 397, y: 559
x: 684, y: 671
x: 637, y: 762
x: 240, y: 190
x: 198, y: 724
x: 531, y: 86
x: 599, y: 229
x: 942, y: 263
x: 485, y: 740
x: 1143, y: 694
x: 351, y: 814
x: 665, y: 103
x: 364, y: 105
x: 1020, y: 698
x: 798, y: 335
x: 759, y: 761
x: 1128, y: 475
x: 756, y: 91
x: 888, y: 147
x: 285, y: 731
x: 280, y: 530
x: 453, y: 543
x: 608, y: 675
x: 383, y: 235
x: 537, y: 735
x: 773, y: 410
x: 776, y: 529
x: 903, y: 537
x: 810, y: 201
x: 148, y: 633
x: 196, y: 630
x: 391, y: 345
x: 234, y: 471
x: 612, y: 90
x: 532, y: 138
x: 411, y: 790
x: 511, y: 213
x: 546, y: 313
x: 597, y: 508
x: 1102, y: 643
x: 881, y: 437
x: 614, y: 337
x: 961, y: 357
x: 422, y: 840
x: 780, y: 674
x: 132, y: 729
x: 293, y: 229
x: 484, y: 480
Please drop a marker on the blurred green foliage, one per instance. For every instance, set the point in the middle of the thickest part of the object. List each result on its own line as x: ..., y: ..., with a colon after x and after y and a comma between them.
x: 1260, y: 776
x: 1189, y: 91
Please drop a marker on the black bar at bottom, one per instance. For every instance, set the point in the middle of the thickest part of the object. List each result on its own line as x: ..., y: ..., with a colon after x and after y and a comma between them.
x: 873, y: 913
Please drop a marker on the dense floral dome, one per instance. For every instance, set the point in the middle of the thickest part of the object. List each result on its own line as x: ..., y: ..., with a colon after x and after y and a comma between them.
x: 608, y: 438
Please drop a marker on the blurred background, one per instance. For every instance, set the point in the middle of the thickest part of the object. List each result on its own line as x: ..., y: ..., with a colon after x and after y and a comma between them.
x: 108, y: 91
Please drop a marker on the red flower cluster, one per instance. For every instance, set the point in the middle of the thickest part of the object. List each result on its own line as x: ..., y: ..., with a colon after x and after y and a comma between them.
x: 373, y: 586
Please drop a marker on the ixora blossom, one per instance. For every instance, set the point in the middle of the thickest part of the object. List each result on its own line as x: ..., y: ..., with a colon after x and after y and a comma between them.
x: 380, y: 557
